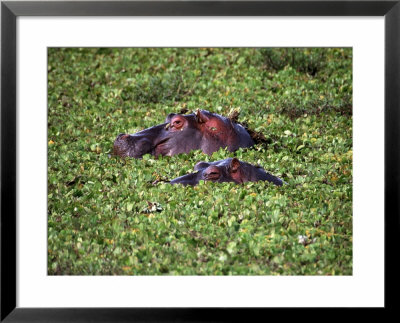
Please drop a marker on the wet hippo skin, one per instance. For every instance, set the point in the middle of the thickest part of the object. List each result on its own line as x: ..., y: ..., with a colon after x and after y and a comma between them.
x: 181, y: 133
x: 227, y: 170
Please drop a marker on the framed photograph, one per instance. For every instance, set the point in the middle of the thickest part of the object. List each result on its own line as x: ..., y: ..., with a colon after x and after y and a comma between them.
x: 162, y: 159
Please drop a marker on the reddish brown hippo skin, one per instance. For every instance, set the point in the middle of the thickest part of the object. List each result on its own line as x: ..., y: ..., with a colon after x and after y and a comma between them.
x: 227, y: 170
x: 181, y: 133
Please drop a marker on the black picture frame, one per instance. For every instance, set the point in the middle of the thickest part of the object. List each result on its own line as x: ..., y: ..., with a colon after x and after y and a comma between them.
x: 10, y: 10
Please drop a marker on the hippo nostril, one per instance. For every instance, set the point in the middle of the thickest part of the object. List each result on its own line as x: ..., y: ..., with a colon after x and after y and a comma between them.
x: 122, y: 136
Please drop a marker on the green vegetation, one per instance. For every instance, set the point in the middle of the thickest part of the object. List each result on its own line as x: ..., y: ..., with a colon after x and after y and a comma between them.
x: 113, y: 216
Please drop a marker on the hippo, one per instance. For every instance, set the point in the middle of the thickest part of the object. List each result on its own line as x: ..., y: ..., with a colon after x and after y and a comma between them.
x: 227, y: 170
x: 181, y: 133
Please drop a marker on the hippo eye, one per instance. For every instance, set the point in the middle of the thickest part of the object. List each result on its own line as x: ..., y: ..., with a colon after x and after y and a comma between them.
x: 177, y: 123
x: 213, y: 174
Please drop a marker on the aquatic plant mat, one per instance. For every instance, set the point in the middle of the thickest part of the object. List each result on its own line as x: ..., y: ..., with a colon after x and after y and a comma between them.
x: 113, y: 216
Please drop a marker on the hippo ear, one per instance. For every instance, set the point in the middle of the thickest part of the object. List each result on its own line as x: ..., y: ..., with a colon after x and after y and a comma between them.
x: 234, y: 165
x: 201, y: 117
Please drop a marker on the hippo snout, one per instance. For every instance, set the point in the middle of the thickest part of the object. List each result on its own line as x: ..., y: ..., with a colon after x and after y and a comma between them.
x: 126, y: 145
x: 189, y: 179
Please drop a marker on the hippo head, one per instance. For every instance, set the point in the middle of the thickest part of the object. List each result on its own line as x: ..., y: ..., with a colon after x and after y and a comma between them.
x: 227, y: 170
x: 182, y: 133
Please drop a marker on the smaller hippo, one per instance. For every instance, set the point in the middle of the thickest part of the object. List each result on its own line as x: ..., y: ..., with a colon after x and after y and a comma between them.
x: 227, y: 170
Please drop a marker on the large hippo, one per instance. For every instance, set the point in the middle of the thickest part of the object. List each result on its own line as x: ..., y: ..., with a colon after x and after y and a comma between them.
x: 181, y: 133
x: 227, y: 170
